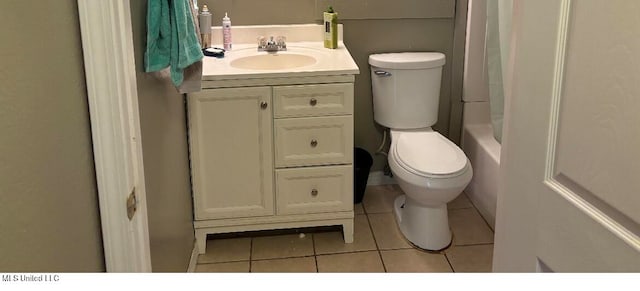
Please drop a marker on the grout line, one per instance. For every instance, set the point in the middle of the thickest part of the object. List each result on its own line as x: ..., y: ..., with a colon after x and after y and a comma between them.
x: 372, y: 233
x: 250, y: 253
x: 364, y: 209
x: 478, y: 212
x: 216, y: 263
x: 313, y: 243
x: 485, y: 222
x: 493, y: 233
x: 376, y: 242
x: 410, y: 248
x: 471, y: 245
x: 384, y: 267
x: 350, y: 252
x: 221, y: 262
x: 449, y: 262
x: 385, y: 212
x: 315, y: 257
x: 282, y: 258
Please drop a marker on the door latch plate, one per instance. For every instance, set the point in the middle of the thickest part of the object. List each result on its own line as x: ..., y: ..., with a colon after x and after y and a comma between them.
x: 132, y: 204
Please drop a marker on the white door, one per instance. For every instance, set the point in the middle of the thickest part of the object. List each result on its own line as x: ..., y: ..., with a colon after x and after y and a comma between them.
x: 569, y: 198
x: 107, y: 43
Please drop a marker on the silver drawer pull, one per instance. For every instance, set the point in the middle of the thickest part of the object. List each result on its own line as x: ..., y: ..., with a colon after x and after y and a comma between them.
x: 382, y: 73
x: 314, y: 192
x: 264, y: 105
x: 313, y: 102
x: 314, y: 143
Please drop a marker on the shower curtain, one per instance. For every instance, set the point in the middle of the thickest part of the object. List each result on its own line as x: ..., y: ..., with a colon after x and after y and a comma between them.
x: 497, y: 54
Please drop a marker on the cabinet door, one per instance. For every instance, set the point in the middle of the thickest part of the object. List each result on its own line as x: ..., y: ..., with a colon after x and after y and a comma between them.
x: 231, y: 152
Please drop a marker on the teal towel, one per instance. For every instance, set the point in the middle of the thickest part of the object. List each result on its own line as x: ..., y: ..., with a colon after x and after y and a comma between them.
x: 171, y: 38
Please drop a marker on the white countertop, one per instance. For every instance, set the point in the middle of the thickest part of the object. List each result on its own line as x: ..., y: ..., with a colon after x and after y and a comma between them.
x: 329, y: 62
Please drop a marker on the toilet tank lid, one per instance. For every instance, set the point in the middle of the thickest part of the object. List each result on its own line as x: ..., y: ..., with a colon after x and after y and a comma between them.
x: 407, y: 60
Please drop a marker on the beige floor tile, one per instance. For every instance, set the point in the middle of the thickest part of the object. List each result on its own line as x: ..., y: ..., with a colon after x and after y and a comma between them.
x: 226, y: 250
x: 412, y: 260
x: 231, y: 267
x: 386, y: 232
x: 468, y: 227
x: 281, y: 246
x: 333, y: 242
x: 291, y: 265
x: 461, y: 202
x: 363, y: 262
x: 379, y: 199
x: 476, y: 258
x: 358, y: 209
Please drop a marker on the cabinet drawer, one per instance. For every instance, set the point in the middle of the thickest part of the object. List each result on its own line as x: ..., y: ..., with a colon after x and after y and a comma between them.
x: 313, y: 141
x: 313, y: 100
x: 314, y: 190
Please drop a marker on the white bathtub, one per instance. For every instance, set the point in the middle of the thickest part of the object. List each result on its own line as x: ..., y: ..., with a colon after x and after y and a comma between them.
x: 478, y: 142
x: 484, y: 153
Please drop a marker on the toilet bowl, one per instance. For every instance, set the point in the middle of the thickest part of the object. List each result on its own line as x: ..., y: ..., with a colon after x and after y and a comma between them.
x: 430, y: 169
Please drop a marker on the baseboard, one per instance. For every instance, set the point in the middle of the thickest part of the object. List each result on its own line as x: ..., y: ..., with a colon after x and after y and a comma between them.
x: 379, y: 178
x: 194, y: 259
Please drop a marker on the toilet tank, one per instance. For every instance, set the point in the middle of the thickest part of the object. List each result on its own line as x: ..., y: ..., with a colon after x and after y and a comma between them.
x: 406, y: 88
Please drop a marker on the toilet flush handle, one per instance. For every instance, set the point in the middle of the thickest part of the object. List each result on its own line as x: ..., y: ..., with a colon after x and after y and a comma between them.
x: 382, y: 73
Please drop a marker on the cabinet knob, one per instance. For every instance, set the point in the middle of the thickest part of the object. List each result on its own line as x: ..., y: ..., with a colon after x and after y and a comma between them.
x: 264, y: 105
x: 314, y: 143
x: 314, y: 192
x: 313, y: 101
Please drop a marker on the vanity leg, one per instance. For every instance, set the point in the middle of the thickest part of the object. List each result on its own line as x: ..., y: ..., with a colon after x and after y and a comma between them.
x: 201, y: 241
x: 347, y: 230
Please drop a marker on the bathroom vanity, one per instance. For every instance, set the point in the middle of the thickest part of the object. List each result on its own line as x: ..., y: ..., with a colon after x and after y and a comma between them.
x: 271, y: 146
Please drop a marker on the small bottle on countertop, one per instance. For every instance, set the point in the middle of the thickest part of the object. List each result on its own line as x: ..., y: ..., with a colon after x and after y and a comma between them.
x: 226, y: 32
x: 330, y: 28
x: 204, y: 18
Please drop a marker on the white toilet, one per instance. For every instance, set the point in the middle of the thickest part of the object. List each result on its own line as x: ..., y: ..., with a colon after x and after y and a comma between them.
x: 430, y: 169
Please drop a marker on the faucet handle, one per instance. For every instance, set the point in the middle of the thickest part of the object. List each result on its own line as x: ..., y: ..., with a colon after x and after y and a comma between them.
x: 262, y: 41
x: 281, y: 41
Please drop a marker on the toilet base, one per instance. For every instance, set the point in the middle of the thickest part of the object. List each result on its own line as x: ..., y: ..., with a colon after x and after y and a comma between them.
x: 425, y: 227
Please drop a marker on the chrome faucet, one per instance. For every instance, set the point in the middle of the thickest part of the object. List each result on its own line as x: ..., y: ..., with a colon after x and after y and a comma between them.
x: 272, y: 45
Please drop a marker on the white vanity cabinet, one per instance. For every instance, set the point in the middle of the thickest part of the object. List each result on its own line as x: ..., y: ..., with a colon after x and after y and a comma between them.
x: 272, y: 156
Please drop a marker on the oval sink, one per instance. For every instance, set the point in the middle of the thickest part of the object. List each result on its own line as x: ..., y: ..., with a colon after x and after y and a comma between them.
x: 278, y: 61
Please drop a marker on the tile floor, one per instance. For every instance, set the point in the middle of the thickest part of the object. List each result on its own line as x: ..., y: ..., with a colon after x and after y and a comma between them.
x: 378, y: 244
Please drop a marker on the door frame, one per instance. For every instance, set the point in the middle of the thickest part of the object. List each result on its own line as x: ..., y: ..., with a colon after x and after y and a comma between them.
x: 109, y: 61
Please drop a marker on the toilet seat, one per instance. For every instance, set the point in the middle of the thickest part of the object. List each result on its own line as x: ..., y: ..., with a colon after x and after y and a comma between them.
x: 429, y: 154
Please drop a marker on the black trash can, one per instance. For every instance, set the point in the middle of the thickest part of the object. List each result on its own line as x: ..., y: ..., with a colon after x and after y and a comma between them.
x: 362, y: 166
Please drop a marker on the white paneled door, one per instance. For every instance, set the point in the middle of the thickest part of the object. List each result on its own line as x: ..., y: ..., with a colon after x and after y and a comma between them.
x: 107, y: 43
x: 569, y: 198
